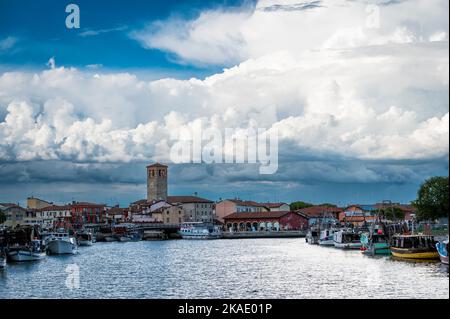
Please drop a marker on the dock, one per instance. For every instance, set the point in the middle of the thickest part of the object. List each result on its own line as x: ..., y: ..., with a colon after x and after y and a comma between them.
x: 264, y: 234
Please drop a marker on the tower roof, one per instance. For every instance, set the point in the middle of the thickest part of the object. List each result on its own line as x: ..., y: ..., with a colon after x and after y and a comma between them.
x: 157, y: 165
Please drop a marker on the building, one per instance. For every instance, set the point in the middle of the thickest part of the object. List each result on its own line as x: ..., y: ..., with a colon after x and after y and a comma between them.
x: 156, y: 182
x: 15, y: 214
x: 196, y: 209
x: 321, y: 214
x: 50, y: 216
x: 228, y: 206
x: 261, y: 221
x: 358, y: 214
x: 36, y: 203
x: 167, y: 213
x: 409, y: 210
x: 84, y: 212
x: 277, y: 207
x: 116, y: 214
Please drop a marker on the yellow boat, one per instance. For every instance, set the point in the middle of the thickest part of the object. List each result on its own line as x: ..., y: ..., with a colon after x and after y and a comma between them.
x: 414, y: 247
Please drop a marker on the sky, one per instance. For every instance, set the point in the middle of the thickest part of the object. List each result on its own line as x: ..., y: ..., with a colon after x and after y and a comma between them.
x: 357, y: 91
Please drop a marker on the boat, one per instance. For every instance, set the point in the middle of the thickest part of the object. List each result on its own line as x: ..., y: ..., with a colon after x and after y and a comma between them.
x: 312, y: 236
x: 414, y: 247
x: 347, y: 239
x: 85, y: 238
x: 326, y: 237
x: 2, y: 259
x: 61, y: 243
x: 442, y: 248
x: 32, y: 251
x: 110, y: 238
x: 199, y: 230
x: 375, y: 241
x: 124, y: 238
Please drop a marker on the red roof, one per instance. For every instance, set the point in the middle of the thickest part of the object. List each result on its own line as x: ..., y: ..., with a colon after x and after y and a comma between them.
x: 257, y: 215
x: 187, y: 199
x: 87, y: 204
x: 54, y: 207
x: 273, y: 205
x: 318, y: 211
x: 157, y: 165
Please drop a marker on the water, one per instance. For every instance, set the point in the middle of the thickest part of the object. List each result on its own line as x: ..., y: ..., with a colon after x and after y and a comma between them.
x: 246, y: 268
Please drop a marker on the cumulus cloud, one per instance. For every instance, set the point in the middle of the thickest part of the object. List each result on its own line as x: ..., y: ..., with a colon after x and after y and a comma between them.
x: 345, y: 97
x: 7, y: 43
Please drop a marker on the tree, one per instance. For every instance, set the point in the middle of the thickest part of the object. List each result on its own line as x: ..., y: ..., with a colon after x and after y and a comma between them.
x: 328, y: 205
x: 300, y: 205
x: 432, y: 199
x: 2, y: 217
x: 393, y: 213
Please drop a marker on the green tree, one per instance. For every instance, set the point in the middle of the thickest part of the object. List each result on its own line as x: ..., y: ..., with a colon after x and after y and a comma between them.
x: 328, y: 205
x: 300, y: 205
x: 432, y: 199
x: 2, y: 217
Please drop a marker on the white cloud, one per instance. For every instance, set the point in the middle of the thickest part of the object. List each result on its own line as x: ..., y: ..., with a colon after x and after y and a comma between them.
x: 332, y: 88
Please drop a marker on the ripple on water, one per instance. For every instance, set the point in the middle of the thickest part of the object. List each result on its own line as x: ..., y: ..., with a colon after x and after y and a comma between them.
x: 247, y: 268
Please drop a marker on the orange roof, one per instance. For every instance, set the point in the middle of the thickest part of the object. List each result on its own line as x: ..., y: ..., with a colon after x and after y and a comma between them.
x: 318, y: 211
x: 257, y: 215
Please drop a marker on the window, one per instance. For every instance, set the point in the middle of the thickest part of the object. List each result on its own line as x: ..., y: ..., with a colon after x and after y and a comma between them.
x: 168, y: 219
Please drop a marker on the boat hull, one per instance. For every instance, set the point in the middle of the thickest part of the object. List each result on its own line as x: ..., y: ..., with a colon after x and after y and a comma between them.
x: 201, y: 237
x: 443, y: 254
x: 61, y: 247
x: 85, y: 242
x: 414, y: 254
x: 347, y: 245
x: 25, y: 255
x: 326, y: 242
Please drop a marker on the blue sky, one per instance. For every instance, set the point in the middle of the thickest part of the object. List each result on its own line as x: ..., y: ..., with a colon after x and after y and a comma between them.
x: 39, y: 27
x: 357, y: 91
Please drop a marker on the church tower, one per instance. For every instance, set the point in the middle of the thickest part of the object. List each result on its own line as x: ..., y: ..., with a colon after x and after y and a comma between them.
x: 156, y: 182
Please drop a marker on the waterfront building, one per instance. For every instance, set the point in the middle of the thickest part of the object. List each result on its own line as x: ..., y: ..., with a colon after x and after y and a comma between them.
x: 49, y: 216
x: 85, y: 212
x: 115, y: 214
x: 266, y: 220
x: 15, y: 214
x: 167, y: 213
x: 37, y: 203
x: 196, y: 209
x: 358, y: 215
x: 157, y: 182
x: 321, y: 214
x: 277, y: 207
x: 228, y: 206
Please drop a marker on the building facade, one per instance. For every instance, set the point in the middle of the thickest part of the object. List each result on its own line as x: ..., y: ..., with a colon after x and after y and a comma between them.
x: 15, y: 214
x: 265, y: 221
x: 156, y: 182
x: 196, y: 209
x: 228, y: 206
x: 37, y: 203
x: 84, y: 212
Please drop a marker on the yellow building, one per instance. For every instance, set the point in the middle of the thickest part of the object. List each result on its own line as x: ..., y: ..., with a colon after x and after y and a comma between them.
x: 36, y: 203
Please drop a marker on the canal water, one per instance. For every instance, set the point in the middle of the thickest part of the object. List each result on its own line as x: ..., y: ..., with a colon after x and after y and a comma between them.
x: 241, y: 268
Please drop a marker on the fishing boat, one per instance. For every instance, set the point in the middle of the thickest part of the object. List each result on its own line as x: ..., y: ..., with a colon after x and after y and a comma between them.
x: 61, y: 243
x: 326, y: 237
x: 199, y: 230
x: 414, y: 247
x: 375, y: 241
x: 32, y: 251
x: 124, y: 238
x: 110, y: 238
x: 312, y: 236
x: 347, y: 239
x: 85, y: 238
x: 442, y: 249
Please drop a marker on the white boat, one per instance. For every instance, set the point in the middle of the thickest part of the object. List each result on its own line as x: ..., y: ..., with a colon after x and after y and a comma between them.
x: 347, y: 239
x: 326, y: 237
x: 124, y: 238
x: 61, y: 243
x: 199, y: 230
x: 31, y: 252
x: 110, y: 238
x: 85, y: 238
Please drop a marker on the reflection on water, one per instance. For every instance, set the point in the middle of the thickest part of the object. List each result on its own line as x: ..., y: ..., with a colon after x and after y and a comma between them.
x: 247, y: 268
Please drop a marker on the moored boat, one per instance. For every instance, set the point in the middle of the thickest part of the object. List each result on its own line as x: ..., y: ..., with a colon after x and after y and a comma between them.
x: 375, y: 241
x: 32, y: 251
x: 199, y: 230
x: 326, y: 237
x: 347, y: 239
x: 414, y: 247
x: 85, y: 238
x: 312, y: 236
x: 61, y: 243
x: 442, y: 248
x: 2, y: 259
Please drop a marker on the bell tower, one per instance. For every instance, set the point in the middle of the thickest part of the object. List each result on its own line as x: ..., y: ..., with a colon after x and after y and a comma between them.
x: 156, y: 182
